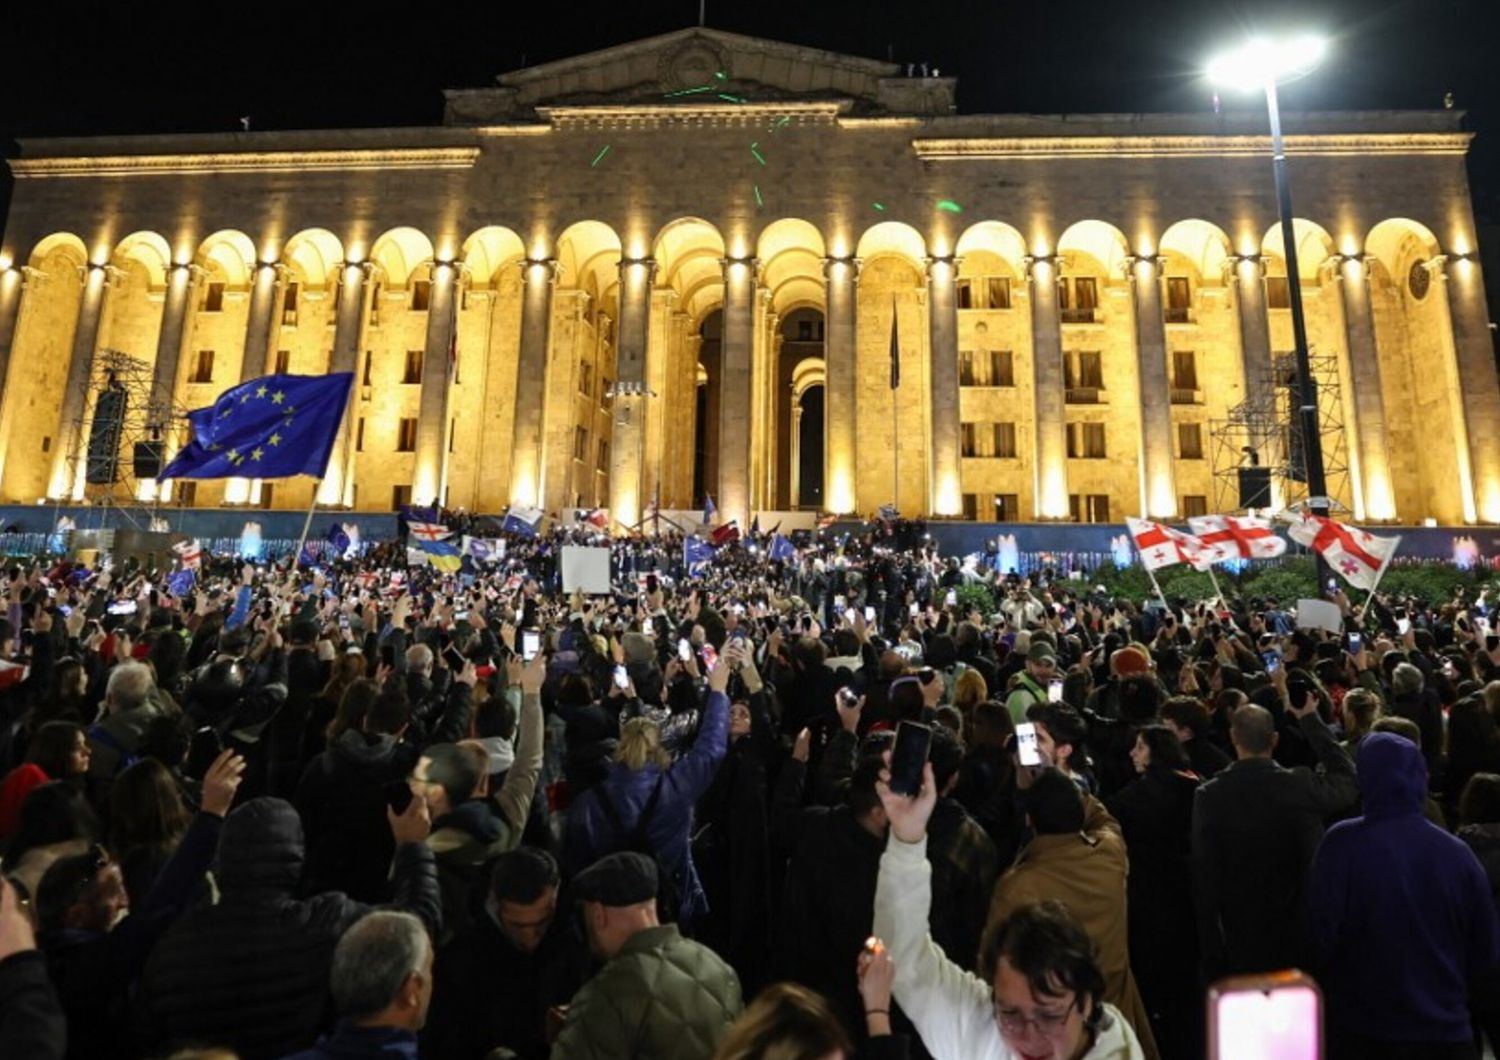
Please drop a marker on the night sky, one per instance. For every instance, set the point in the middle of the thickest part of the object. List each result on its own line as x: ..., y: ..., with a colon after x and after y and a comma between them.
x: 159, y: 67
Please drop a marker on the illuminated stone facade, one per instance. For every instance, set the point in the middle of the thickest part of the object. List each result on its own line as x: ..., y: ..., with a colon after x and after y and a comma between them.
x: 673, y: 267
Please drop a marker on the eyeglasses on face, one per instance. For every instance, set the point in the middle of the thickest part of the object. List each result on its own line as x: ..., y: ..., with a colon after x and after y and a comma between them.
x: 1044, y: 1023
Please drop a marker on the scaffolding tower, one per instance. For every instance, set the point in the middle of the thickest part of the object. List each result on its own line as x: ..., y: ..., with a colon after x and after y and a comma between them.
x: 1265, y: 430
x: 112, y: 492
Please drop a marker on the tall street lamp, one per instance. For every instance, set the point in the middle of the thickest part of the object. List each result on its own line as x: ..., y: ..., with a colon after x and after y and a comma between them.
x: 1262, y: 63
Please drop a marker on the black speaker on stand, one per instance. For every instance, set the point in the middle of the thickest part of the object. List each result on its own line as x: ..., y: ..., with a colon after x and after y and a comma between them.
x: 1255, y: 487
x: 102, y: 466
x: 147, y: 459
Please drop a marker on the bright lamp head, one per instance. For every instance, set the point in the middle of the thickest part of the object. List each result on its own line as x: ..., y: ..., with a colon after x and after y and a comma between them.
x: 1263, y: 59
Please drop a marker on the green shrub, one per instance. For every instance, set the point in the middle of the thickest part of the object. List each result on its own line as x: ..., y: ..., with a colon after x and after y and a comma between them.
x: 1286, y: 583
x: 979, y: 598
x: 1433, y: 584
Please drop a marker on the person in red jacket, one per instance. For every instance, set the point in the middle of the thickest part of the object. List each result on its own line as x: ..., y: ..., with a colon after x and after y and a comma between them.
x: 58, y: 751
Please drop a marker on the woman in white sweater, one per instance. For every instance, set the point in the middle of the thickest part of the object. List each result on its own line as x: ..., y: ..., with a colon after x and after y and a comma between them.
x: 1040, y: 995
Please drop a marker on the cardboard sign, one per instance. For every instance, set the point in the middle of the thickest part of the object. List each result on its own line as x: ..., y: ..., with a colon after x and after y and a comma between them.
x: 585, y: 570
x: 1319, y: 614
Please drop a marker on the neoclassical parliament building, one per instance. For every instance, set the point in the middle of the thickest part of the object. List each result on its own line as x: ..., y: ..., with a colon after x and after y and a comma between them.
x: 685, y: 266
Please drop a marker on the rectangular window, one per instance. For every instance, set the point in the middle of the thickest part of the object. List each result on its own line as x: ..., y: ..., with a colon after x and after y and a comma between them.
x: 603, y: 464
x: 968, y: 440
x: 971, y: 506
x: 1005, y: 440
x: 421, y: 295
x: 400, y: 497
x: 1278, y: 293
x: 1179, y: 300
x: 267, y: 495
x: 46, y: 443
x: 375, y: 305
x: 213, y: 298
x: 966, y: 368
x: 1007, y: 507
x: 283, y: 361
x: 406, y: 435
x: 1077, y: 299
x: 963, y: 294
x: 1089, y: 507
x: 1002, y: 368
x: 413, y: 373
x: 203, y: 370
x: 1190, y: 441
x: 606, y: 387
x: 289, y: 305
x: 452, y: 433
x: 1083, y: 376
x: 999, y: 292
x: 369, y: 359
x: 1086, y: 441
x: 359, y: 436
x: 580, y: 443
x: 1194, y: 505
x: 187, y: 493
x: 1184, y: 370
x: 586, y: 379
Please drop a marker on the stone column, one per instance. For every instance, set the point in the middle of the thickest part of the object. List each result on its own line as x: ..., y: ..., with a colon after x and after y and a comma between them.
x: 628, y: 408
x: 1159, y: 491
x: 1474, y: 351
x: 538, y: 280
x: 944, y: 477
x: 659, y: 408
x: 1369, y: 402
x: 15, y: 283
x: 839, y: 392
x: 258, y: 324
x: 432, y: 414
x: 794, y: 448
x: 63, y: 483
x: 692, y: 347
x: 1249, y: 275
x: 1051, y: 458
x: 174, y: 334
x: 735, y: 394
x: 337, y: 487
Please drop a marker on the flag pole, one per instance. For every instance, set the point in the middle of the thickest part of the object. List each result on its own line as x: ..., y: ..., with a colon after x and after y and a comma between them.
x: 1157, y: 586
x: 306, y: 526
x: 1218, y: 593
x: 1376, y: 584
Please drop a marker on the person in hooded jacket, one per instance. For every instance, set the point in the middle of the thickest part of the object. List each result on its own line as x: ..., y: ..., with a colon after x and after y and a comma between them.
x: 1401, y: 919
x: 471, y: 828
x: 251, y: 972
x: 344, y: 792
x: 643, y: 780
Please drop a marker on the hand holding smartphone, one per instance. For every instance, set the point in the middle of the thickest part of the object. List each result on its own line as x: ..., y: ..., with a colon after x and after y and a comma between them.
x: 1027, y: 753
x: 908, y: 757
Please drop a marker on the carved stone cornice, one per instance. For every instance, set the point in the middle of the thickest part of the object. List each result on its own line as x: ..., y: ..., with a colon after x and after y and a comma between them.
x: 692, y: 115
x: 992, y: 148
x: 247, y: 161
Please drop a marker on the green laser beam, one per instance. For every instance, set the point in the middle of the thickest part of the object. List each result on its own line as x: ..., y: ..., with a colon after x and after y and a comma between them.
x: 721, y: 75
x: 600, y: 156
x: 758, y: 156
x: 785, y: 119
x: 879, y: 206
x: 950, y: 206
x: 758, y: 200
x: 732, y: 99
x: 690, y: 91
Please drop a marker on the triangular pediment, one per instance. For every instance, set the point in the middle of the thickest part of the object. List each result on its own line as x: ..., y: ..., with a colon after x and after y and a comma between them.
x: 701, y: 65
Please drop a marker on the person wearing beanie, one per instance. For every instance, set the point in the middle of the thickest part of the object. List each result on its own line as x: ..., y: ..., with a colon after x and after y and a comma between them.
x: 658, y: 994
x: 1031, y: 684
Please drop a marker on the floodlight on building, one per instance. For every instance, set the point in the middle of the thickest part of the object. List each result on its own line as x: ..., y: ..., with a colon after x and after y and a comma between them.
x: 1258, y: 60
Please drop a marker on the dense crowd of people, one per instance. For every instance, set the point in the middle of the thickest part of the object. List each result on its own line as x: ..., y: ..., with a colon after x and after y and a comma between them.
x: 372, y: 810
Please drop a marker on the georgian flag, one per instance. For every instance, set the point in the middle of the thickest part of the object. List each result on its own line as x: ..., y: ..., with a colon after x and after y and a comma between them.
x: 1359, y: 557
x: 1161, y: 546
x: 190, y: 553
x: 428, y: 531
x: 1227, y: 537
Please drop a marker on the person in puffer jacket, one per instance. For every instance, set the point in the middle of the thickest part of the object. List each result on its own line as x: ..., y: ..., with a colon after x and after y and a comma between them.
x: 251, y: 972
x: 603, y: 820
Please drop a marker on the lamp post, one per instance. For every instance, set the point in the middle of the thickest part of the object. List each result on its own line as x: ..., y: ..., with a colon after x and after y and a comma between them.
x: 1262, y: 63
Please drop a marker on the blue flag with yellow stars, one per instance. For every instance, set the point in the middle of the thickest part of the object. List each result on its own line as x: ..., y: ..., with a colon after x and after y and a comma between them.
x: 272, y: 427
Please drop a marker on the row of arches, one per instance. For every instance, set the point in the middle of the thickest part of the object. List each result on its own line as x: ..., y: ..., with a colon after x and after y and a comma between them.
x: 684, y: 350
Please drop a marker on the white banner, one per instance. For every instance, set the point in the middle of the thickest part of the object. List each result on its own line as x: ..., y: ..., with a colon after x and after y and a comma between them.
x: 585, y: 570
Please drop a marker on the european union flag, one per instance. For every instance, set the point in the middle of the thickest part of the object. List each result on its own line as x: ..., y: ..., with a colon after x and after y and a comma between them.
x: 272, y: 427
x: 338, y: 540
x: 180, y: 582
x: 781, y: 548
x: 696, y: 554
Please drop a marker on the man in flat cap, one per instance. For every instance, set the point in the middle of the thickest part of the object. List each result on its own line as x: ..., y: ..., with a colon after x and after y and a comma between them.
x: 658, y: 995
